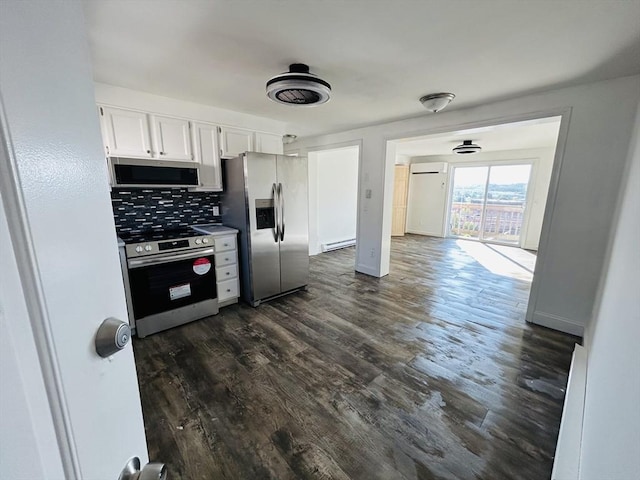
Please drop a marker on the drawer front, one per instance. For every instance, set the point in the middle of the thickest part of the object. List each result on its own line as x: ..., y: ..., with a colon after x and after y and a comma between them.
x: 228, y: 289
x: 225, y: 273
x: 225, y: 258
x: 222, y: 244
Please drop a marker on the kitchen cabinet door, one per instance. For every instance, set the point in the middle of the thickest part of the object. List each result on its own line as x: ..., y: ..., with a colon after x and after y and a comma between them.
x: 172, y: 138
x: 126, y: 133
x: 235, y: 141
x: 269, y: 143
x: 207, y: 154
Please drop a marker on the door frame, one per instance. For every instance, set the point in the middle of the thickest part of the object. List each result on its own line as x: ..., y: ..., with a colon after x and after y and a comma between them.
x: 565, y: 118
x: 34, y: 299
x: 492, y: 163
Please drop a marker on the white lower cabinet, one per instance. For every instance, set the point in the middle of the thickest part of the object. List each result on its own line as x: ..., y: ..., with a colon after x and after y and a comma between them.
x: 228, y: 290
x: 226, y: 260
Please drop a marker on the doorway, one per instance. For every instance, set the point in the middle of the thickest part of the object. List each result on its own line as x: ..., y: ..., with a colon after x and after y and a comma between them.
x: 489, y: 202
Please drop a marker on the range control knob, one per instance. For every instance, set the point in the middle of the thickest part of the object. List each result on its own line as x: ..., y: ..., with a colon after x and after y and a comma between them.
x: 139, y: 249
x: 148, y: 248
x: 205, y: 240
x: 198, y: 241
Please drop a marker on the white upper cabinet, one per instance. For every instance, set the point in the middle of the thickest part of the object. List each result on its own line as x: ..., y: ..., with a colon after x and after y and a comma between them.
x: 207, y: 154
x: 172, y: 138
x: 235, y: 141
x: 126, y: 133
x: 269, y: 143
x: 134, y: 134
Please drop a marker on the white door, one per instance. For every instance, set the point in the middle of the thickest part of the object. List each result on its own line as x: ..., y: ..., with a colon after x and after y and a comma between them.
x: 235, y: 141
x: 127, y: 133
x: 59, y: 217
x: 426, y: 204
x: 172, y: 138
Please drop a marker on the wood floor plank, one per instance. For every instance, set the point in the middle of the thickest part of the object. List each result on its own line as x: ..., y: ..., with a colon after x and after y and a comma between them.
x: 428, y: 373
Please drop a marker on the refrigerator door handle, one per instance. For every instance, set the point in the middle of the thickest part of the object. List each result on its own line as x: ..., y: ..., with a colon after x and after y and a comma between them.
x: 276, y: 228
x: 282, y: 224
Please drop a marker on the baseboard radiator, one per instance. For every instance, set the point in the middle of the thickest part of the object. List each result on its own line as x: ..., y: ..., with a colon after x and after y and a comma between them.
x: 566, y: 465
x: 327, y: 247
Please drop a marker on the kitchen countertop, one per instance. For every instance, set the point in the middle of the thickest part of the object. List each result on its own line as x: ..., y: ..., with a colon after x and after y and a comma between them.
x: 213, y: 229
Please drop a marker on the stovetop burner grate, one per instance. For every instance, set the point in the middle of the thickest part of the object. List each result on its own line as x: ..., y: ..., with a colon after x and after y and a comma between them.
x: 157, y: 235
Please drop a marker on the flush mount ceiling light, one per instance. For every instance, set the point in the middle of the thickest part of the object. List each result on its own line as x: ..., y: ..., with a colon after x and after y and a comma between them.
x: 288, y: 138
x: 298, y: 87
x: 435, y: 102
x: 466, y: 147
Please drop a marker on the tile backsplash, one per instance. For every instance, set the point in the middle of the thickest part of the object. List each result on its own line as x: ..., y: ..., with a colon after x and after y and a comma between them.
x: 138, y: 210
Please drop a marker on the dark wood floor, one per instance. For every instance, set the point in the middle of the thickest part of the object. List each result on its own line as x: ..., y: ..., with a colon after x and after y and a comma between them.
x: 430, y: 372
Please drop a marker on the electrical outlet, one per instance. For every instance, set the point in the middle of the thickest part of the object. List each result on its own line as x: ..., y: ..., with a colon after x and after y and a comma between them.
x: 216, y: 211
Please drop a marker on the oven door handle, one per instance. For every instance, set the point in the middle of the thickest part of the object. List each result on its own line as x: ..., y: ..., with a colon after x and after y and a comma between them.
x: 144, y: 262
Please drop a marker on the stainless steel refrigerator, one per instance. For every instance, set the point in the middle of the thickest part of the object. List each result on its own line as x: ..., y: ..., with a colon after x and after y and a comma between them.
x: 266, y: 199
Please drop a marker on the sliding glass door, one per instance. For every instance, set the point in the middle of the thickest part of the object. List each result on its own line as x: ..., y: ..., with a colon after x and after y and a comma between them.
x: 488, y: 202
x: 467, y: 201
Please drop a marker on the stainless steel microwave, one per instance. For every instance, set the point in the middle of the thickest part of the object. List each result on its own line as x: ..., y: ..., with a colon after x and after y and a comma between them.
x: 132, y: 172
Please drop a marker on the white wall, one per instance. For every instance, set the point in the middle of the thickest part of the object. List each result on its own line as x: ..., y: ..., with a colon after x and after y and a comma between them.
x: 542, y: 160
x: 576, y: 229
x: 333, y: 196
x: 337, y: 194
x: 611, y: 427
x: 137, y: 100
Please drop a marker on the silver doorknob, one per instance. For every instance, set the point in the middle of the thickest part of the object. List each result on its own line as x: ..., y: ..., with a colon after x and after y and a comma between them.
x: 111, y: 337
x: 151, y: 471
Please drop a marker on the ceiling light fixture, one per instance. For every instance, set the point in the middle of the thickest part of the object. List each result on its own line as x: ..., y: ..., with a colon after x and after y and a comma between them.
x: 466, y: 147
x: 435, y: 102
x: 298, y: 87
x: 288, y: 138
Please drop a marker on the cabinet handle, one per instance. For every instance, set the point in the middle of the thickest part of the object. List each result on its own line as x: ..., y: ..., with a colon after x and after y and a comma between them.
x: 161, y: 153
x: 228, y: 290
x: 148, y: 151
x: 228, y: 273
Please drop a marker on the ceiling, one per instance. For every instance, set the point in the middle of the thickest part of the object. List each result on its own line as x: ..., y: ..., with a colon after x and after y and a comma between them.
x: 539, y: 133
x: 379, y: 56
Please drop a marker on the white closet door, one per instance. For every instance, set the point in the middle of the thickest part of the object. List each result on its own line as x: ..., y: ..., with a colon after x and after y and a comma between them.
x: 426, y: 205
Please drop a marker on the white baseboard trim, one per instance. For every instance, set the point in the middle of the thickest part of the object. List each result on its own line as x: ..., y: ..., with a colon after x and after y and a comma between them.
x: 430, y: 234
x: 368, y: 270
x: 566, y: 464
x: 557, y: 322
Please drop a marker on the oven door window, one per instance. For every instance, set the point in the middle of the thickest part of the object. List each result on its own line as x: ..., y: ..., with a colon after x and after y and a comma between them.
x: 163, y: 287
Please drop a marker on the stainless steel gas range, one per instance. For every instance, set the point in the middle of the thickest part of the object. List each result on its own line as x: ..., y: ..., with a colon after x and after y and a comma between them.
x: 169, y: 278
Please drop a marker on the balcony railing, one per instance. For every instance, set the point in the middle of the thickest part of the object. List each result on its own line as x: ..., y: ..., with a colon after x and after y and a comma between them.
x: 501, y: 222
